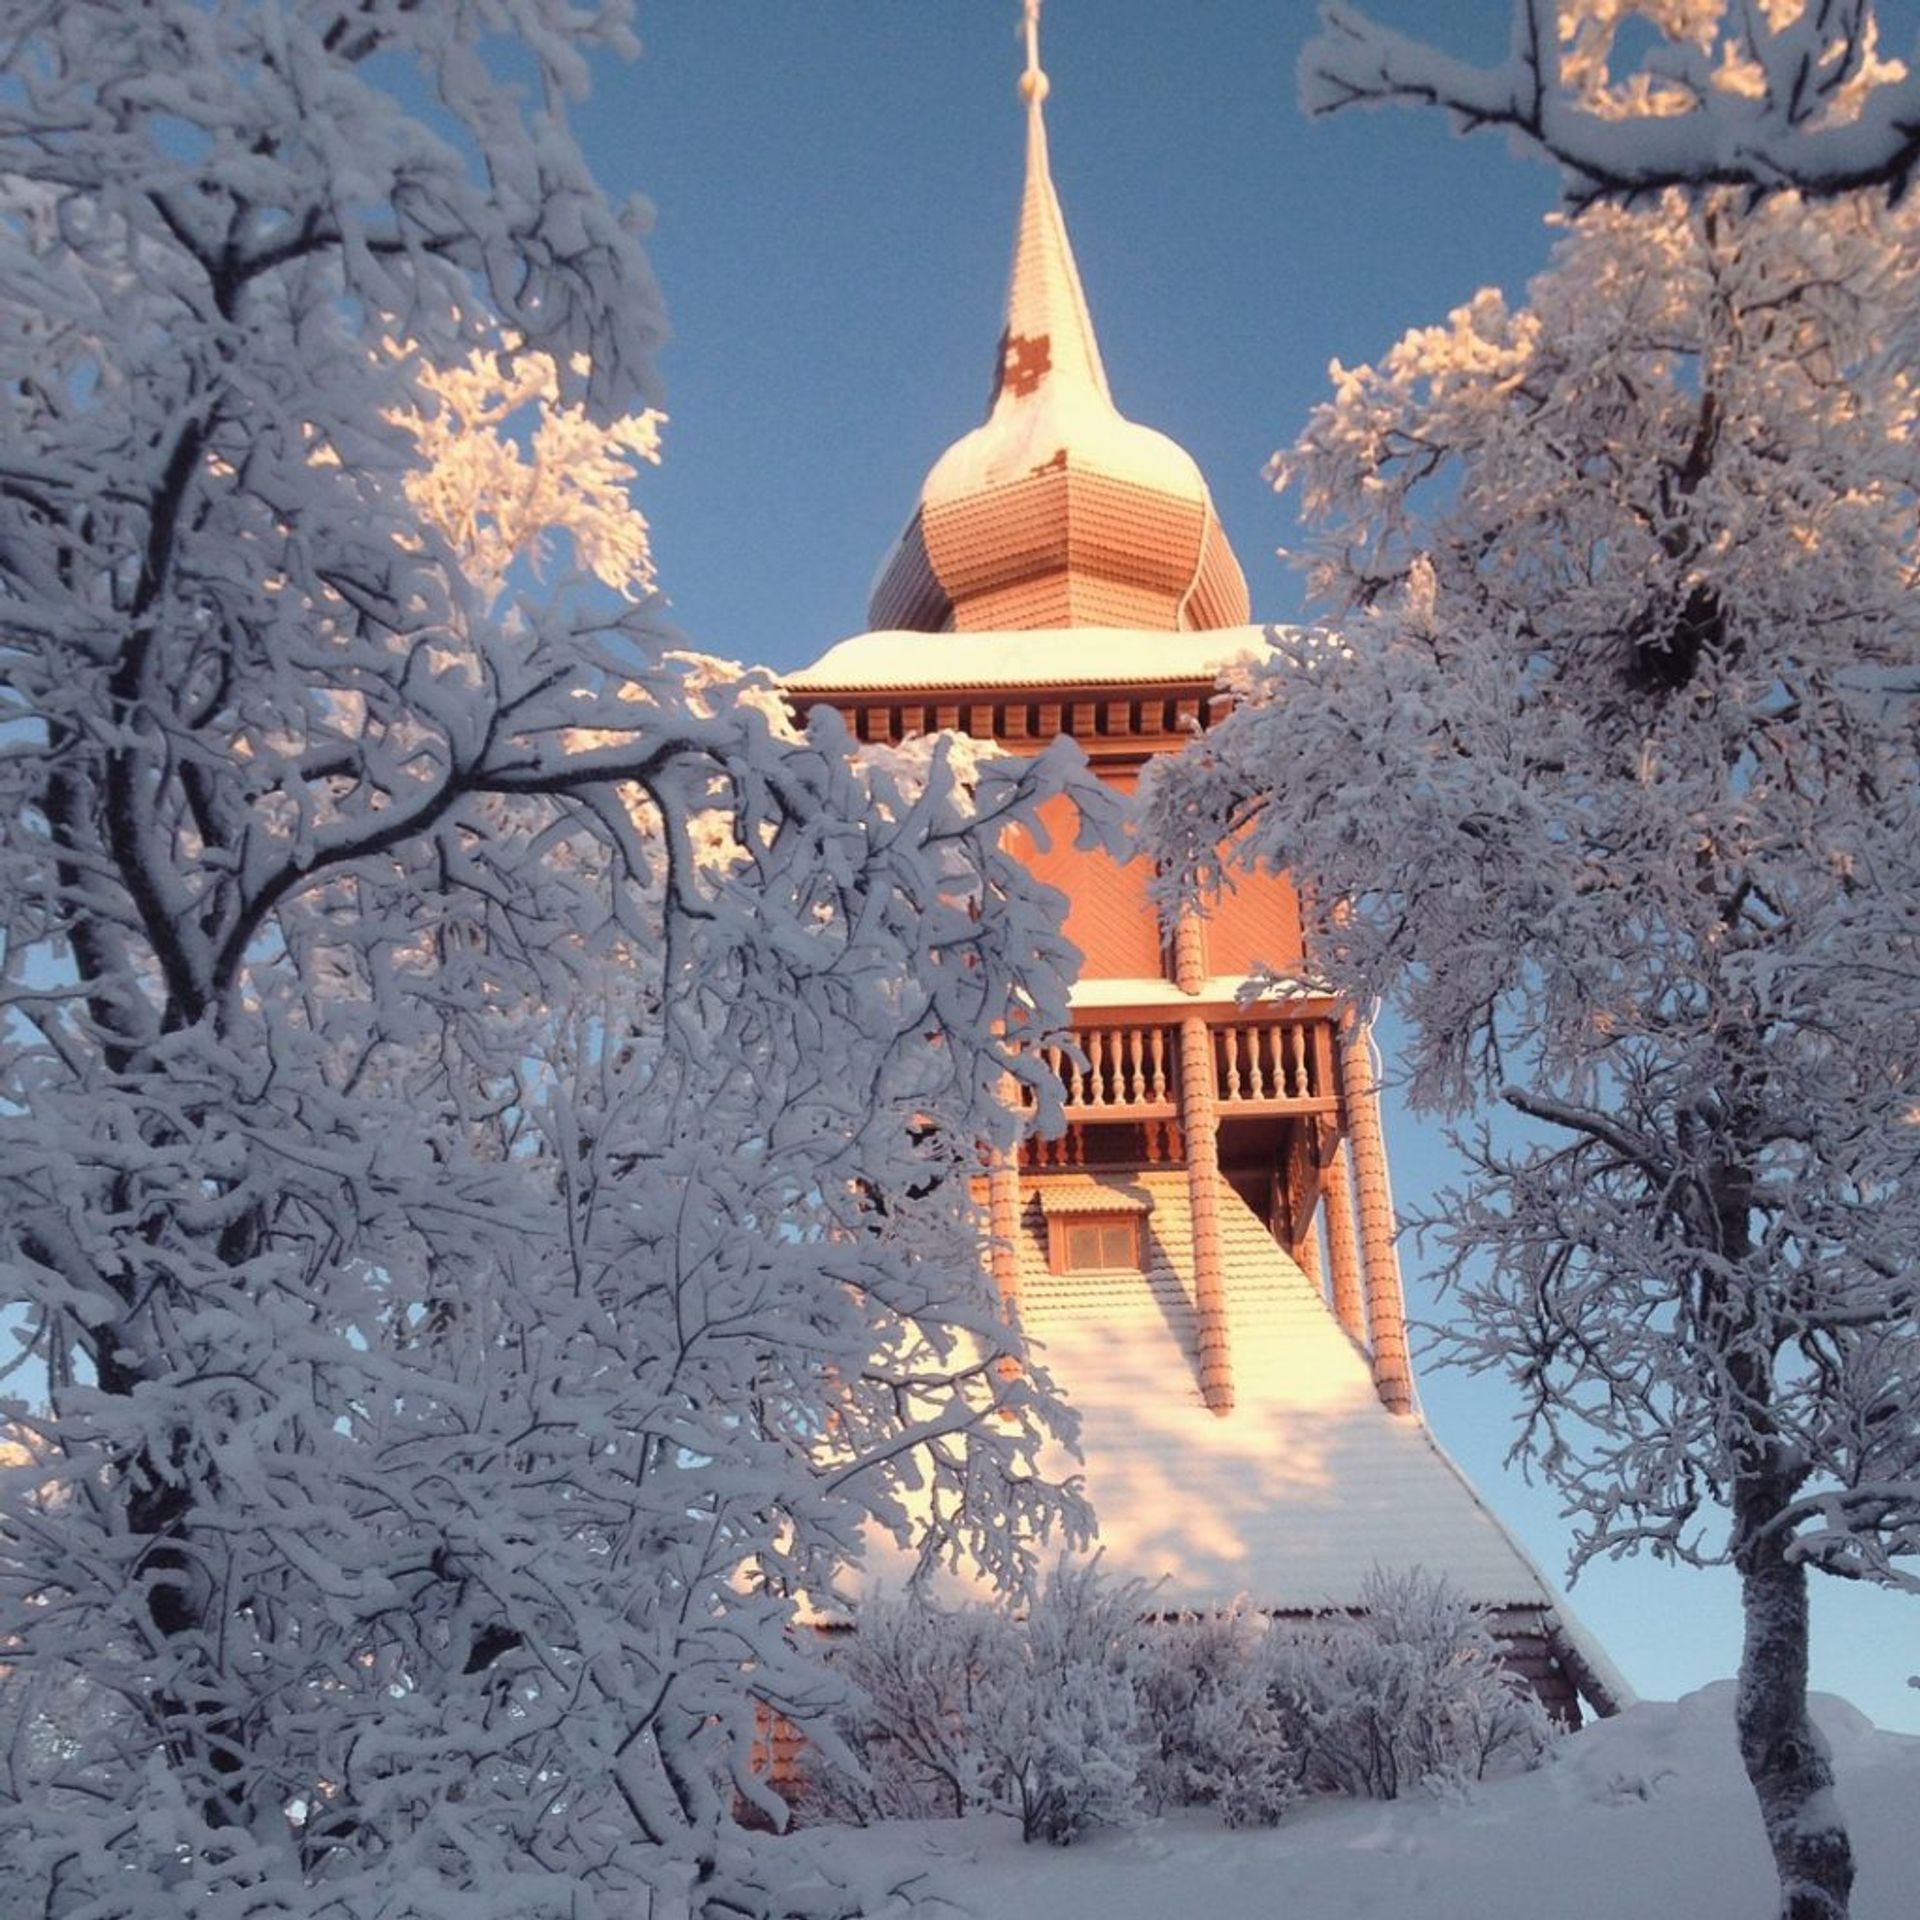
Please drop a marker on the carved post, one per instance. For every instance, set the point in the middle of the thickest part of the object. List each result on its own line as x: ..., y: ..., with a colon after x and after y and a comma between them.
x: 1003, y: 1224
x: 1343, y: 1248
x: 1199, y: 1122
x: 1189, y: 952
x: 1003, y: 1221
x: 1386, y: 1308
x: 1200, y: 1119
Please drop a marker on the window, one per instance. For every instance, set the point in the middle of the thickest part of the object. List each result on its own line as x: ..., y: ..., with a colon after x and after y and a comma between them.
x: 1095, y: 1224
x: 1095, y: 1243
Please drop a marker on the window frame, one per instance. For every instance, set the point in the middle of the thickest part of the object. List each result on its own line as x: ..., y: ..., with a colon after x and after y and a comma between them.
x: 1061, y: 1228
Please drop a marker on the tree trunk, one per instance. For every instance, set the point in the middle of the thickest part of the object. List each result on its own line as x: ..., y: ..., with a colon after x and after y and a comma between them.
x: 1784, y: 1755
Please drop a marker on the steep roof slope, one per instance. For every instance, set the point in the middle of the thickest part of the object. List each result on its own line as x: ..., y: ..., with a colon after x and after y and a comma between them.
x: 1305, y: 1486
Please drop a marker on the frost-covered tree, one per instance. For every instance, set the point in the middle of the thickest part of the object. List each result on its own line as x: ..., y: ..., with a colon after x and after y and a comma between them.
x: 1609, y: 780
x: 486, y: 1111
x: 1753, y: 93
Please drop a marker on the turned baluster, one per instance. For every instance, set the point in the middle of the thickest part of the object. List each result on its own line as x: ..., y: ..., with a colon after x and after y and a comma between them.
x: 1229, y: 1063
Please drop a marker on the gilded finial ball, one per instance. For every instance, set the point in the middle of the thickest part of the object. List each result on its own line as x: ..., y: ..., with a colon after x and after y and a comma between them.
x: 1033, y: 85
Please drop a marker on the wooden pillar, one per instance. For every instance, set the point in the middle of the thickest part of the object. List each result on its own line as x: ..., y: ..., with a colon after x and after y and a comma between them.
x: 1003, y: 1222
x: 1200, y: 1125
x: 1343, y: 1247
x: 1386, y: 1308
x: 1200, y: 1120
x: 1189, y: 952
x: 1303, y: 1224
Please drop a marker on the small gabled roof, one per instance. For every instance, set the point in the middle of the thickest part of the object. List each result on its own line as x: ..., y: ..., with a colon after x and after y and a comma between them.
x: 1068, y: 1196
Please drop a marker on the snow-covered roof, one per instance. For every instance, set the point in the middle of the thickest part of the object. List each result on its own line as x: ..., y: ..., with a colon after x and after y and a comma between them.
x: 1061, y: 420
x: 1297, y: 1493
x: 1046, y: 657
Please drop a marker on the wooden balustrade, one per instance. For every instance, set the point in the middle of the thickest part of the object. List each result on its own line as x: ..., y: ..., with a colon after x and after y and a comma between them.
x: 1286, y: 1063
x: 1120, y: 1088
x: 1128, y: 1072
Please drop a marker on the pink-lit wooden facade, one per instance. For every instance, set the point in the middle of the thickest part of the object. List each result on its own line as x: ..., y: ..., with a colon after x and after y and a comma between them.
x: 1172, y: 1070
x: 1206, y: 1253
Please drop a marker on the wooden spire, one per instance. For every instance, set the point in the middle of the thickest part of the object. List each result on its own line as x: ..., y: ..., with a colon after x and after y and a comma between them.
x: 1057, y: 511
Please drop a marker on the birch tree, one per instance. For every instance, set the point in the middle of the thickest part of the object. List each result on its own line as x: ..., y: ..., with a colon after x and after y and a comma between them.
x: 1608, y: 778
x: 487, y: 1111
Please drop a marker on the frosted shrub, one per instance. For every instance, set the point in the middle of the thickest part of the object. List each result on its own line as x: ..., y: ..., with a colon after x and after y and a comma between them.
x: 1408, y: 1693
x: 1060, y: 1719
x: 977, y: 1709
x: 912, y: 1746
x: 1215, y: 1735
x: 1086, y: 1712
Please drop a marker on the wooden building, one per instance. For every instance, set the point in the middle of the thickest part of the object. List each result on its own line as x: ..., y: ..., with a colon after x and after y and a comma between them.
x: 1206, y: 1257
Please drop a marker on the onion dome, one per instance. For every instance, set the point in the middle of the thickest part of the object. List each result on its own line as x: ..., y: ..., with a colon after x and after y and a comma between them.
x: 1058, y: 511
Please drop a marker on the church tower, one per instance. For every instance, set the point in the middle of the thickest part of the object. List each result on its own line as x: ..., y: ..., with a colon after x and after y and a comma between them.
x: 1206, y: 1256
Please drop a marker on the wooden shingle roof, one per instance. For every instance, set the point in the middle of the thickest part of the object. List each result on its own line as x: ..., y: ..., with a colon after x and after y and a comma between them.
x: 1305, y: 1486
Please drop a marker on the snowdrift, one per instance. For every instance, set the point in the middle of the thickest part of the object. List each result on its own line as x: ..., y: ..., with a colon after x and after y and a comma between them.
x: 1643, y: 1817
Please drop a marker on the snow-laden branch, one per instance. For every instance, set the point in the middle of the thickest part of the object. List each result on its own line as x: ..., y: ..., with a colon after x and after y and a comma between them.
x: 1743, y: 95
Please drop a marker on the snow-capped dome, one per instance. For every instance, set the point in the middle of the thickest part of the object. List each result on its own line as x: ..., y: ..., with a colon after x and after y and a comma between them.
x: 1058, y: 511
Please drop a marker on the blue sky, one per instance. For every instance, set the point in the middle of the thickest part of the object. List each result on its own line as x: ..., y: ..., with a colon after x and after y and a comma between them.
x: 835, y: 182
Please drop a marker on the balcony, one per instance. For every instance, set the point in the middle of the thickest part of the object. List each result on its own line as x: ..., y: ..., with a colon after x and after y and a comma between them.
x: 1129, y: 1073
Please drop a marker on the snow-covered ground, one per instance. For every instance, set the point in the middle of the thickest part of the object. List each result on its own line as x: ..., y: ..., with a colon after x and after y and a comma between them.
x: 1645, y: 1817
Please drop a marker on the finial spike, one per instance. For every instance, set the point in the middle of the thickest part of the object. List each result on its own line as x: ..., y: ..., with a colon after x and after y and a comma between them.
x: 1033, y: 82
